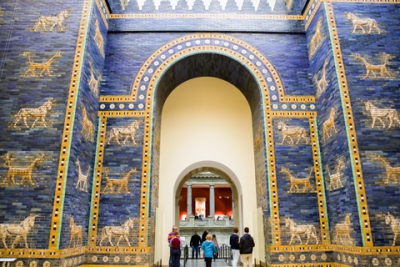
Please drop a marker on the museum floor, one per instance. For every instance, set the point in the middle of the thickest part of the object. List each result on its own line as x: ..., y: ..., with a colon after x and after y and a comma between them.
x: 201, y: 263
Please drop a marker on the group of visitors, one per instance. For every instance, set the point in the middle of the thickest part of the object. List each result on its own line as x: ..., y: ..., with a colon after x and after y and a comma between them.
x: 241, y: 247
x: 199, y: 217
x: 196, y: 242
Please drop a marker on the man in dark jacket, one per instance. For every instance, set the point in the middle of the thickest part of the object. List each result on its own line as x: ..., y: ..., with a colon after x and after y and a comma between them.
x: 246, y: 245
x: 195, y: 242
x: 234, y: 242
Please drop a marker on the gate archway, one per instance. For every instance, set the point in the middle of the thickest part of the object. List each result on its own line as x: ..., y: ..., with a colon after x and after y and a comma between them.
x: 212, y: 55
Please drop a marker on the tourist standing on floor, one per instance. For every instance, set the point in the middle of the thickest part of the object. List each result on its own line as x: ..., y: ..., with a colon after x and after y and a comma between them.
x: 215, y: 241
x: 175, y: 251
x: 246, y: 245
x: 209, y: 249
x: 203, y: 237
x: 170, y: 236
x: 234, y: 242
x: 172, y: 233
x: 195, y: 242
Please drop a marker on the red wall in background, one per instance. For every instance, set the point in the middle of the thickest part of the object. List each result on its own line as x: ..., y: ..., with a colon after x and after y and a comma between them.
x: 223, y: 206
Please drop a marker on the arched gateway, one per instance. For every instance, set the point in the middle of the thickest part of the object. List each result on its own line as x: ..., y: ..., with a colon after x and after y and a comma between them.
x: 191, y: 56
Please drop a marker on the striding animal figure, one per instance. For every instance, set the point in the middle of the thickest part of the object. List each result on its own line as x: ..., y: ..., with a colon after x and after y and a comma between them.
x: 121, y: 231
x: 36, y: 113
x: 296, y: 230
x: 373, y: 68
x: 75, y: 239
x: 394, y: 226
x: 380, y: 113
x: 296, y: 183
x: 321, y: 83
x: 391, y: 172
x: 94, y: 80
x: 18, y: 230
x: 316, y: 39
x: 122, y: 184
x: 329, y: 125
x: 98, y: 38
x: 87, y: 130
x: 24, y: 172
x: 52, y: 21
x: 362, y: 22
x: 81, y: 184
x: 343, y: 230
x: 45, y: 66
x: 335, y: 179
x: 128, y: 131
x: 292, y: 131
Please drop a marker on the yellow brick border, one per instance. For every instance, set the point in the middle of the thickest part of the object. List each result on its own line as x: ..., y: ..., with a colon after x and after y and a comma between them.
x: 264, y: 92
x: 96, y: 194
x: 318, y: 172
x: 348, y: 117
x: 61, y: 180
x: 103, y: 16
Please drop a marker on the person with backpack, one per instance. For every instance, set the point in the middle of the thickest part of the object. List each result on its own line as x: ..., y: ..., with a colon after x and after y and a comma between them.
x: 246, y: 245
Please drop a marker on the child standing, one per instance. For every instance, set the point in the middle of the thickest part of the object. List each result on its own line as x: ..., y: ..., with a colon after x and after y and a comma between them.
x: 209, y: 249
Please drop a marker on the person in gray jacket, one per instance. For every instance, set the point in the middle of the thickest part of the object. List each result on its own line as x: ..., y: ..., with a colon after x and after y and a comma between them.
x: 246, y: 245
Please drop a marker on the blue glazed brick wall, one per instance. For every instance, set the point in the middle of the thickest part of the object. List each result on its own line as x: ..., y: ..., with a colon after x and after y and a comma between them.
x: 18, y: 38
x: 116, y: 208
x: 126, y: 52
x: 288, y: 54
x: 342, y: 200
x: 207, y: 24
x: 378, y: 141
x: 78, y: 194
x: 298, y: 203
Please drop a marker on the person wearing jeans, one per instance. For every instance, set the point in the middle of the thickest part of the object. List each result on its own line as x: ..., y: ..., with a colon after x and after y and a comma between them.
x: 175, y: 251
x: 194, y: 244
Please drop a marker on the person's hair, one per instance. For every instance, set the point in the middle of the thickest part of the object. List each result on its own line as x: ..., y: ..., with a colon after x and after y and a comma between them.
x: 235, y: 229
x: 176, y: 233
x: 174, y: 227
x: 246, y: 229
x: 209, y: 237
x: 214, y: 237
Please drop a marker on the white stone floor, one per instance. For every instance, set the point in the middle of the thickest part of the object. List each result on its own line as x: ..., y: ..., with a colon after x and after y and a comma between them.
x: 202, y: 263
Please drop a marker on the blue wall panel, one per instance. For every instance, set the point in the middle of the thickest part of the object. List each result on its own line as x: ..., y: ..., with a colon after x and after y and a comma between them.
x: 382, y: 91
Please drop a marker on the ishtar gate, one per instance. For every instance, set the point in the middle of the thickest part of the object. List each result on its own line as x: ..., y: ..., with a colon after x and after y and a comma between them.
x: 122, y: 118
